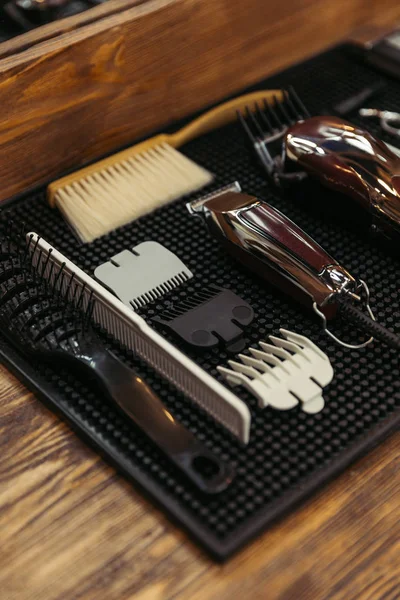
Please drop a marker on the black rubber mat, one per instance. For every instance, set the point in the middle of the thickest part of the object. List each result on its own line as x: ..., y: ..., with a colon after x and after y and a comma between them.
x: 290, y: 454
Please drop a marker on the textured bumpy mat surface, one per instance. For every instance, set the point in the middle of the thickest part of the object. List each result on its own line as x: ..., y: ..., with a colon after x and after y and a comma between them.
x: 290, y: 454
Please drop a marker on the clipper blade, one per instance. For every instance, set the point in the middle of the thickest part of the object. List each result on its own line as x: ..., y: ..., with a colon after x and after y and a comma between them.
x: 196, y: 206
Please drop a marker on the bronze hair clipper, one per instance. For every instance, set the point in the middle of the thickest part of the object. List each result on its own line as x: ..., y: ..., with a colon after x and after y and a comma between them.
x: 291, y: 145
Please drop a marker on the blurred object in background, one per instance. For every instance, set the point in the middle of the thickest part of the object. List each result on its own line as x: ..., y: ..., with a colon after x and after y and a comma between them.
x: 17, y: 16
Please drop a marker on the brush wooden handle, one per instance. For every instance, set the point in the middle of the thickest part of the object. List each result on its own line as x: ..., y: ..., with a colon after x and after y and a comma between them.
x: 216, y: 117
x: 220, y: 115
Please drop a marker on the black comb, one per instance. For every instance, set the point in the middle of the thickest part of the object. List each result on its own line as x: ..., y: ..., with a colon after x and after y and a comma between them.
x: 209, y: 317
x: 269, y: 121
x: 265, y: 127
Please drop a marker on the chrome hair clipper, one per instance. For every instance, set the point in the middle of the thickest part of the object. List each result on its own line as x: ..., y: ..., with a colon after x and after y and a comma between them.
x: 267, y: 242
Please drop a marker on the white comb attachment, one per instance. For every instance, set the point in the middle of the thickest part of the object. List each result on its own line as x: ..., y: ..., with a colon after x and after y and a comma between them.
x: 124, y: 191
x: 143, y: 274
x: 284, y: 373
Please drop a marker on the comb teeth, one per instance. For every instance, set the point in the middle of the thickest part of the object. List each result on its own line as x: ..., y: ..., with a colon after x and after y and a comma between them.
x: 160, y: 290
x: 124, y: 191
x: 193, y: 301
x: 269, y: 121
x: 283, y: 373
x: 33, y: 314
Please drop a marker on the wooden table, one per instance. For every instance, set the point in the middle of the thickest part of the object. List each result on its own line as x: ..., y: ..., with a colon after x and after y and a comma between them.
x: 71, y: 528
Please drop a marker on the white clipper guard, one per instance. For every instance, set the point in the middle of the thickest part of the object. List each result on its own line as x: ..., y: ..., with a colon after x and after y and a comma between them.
x: 142, y: 274
x: 284, y: 373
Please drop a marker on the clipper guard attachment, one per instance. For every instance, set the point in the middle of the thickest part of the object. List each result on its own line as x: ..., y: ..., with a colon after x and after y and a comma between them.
x: 283, y: 374
x: 142, y: 274
x: 212, y: 316
x: 265, y: 128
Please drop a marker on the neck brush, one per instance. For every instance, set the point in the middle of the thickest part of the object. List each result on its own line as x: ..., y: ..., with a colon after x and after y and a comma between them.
x: 46, y: 320
x: 123, y: 187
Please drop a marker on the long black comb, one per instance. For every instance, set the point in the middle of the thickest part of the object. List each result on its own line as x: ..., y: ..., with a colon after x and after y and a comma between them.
x: 266, y: 125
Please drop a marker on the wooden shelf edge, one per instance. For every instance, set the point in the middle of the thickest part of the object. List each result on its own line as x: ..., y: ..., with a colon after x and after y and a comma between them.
x: 77, y: 96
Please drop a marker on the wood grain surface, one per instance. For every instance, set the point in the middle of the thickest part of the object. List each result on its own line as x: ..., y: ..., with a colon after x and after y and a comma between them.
x: 54, y: 29
x: 73, y: 529
x: 96, y: 85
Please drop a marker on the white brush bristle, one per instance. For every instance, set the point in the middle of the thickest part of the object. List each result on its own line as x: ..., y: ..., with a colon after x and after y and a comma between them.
x: 125, y: 191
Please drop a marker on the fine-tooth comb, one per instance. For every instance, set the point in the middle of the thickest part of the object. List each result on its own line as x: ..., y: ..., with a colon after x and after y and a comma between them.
x: 143, y: 274
x: 136, y: 335
x: 283, y: 373
x: 41, y: 323
x: 208, y: 317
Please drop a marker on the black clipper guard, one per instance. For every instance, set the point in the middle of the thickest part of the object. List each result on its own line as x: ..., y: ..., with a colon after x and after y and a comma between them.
x: 208, y: 318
